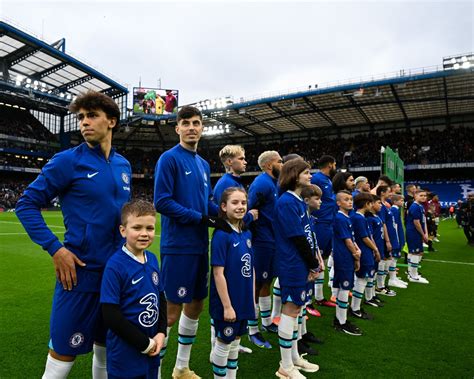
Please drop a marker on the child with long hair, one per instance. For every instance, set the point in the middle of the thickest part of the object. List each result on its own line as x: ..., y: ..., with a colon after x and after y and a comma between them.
x: 231, y: 301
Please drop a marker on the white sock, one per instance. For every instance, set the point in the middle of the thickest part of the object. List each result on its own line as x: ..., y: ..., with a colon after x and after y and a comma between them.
x: 368, y: 289
x: 276, y: 308
x: 56, y: 369
x: 380, y: 274
x: 99, y: 363
x: 233, y: 361
x: 331, y: 274
x: 220, y: 355
x: 253, y: 324
x: 285, y: 339
x: 341, y: 305
x: 187, y: 329
x: 318, y: 287
x: 357, y: 293
x: 163, y: 350
x: 213, y: 335
x: 294, y: 343
x: 373, y: 287
x: 414, y: 264
x: 303, y: 323
x: 265, y: 305
x: 300, y: 325
x: 392, y: 269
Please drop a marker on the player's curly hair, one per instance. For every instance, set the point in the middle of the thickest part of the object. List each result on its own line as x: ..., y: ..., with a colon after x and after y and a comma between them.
x: 92, y: 100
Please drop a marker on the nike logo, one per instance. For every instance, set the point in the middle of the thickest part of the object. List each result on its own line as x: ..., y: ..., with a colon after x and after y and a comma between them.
x: 212, y: 221
x: 302, y: 215
x: 236, y: 244
x: 92, y: 175
x: 187, y: 172
x: 136, y: 281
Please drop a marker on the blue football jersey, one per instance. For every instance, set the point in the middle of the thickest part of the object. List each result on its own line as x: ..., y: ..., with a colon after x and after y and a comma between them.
x: 361, y: 231
x: 387, y: 217
x: 376, y: 226
x: 416, y: 212
x: 136, y: 287
x: 343, y: 230
x: 291, y: 221
x: 398, y: 222
x: 233, y: 251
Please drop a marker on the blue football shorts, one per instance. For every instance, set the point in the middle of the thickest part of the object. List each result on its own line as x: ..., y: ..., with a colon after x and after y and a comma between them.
x: 185, y: 277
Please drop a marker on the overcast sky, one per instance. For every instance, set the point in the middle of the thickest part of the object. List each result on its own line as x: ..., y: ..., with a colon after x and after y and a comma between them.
x: 213, y: 49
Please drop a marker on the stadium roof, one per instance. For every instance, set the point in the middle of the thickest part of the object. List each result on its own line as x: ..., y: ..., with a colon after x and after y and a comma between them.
x: 31, y: 64
x: 402, y: 97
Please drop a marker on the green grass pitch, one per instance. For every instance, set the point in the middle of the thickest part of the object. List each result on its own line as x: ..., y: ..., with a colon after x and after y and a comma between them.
x: 425, y: 331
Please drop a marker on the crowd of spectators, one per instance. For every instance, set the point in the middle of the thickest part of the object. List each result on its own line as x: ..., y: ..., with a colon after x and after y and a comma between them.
x: 10, y: 192
x: 20, y: 123
x: 414, y: 147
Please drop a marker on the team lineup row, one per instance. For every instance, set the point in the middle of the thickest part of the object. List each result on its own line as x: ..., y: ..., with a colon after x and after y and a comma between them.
x: 110, y: 292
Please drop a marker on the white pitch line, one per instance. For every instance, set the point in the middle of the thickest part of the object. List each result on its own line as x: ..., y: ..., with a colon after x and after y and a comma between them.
x: 458, y: 263
x: 19, y: 223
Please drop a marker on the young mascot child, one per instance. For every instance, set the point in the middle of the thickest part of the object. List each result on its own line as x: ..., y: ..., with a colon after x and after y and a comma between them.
x: 397, y: 204
x: 376, y: 229
x: 369, y: 253
x: 312, y: 198
x: 391, y: 242
x: 417, y: 233
x: 346, y: 256
x: 231, y: 301
x: 132, y: 298
x: 297, y: 264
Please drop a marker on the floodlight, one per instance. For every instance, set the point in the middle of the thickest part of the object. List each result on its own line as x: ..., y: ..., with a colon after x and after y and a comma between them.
x: 28, y: 80
x: 466, y: 64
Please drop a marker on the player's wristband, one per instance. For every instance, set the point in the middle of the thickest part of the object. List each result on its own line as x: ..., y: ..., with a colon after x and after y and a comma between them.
x: 151, y: 345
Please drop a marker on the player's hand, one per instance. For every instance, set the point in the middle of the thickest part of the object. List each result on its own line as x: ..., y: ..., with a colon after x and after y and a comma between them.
x: 159, y: 341
x: 356, y: 265
x: 357, y: 254
x: 312, y: 276
x: 377, y: 255
x: 229, y: 314
x: 322, y: 267
x: 425, y: 238
x: 152, y: 351
x: 254, y: 213
x: 65, y: 265
x: 389, y: 246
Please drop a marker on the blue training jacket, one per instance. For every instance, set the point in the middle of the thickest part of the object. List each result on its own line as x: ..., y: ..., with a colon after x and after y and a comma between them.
x: 183, y: 194
x: 263, y: 195
x: 92, y: 191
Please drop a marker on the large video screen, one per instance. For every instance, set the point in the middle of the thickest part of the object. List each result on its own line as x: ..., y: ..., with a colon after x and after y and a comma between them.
x: 155, y: 101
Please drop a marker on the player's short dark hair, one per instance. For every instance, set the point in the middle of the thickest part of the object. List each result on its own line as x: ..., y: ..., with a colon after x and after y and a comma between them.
x: 396, y: 197
x: 310, y: 191
x: 291, y: 156
x: 290, y: 172
x: 92, y: 100
x: 381, y: 189
x: 409, y: 186
x: 376, y: 198
x: 326, y: 160
x: 361, y: 199
x: 387, y: 180
x: 420, y: 191
x: 343, y: 192
x: 188, y: 111
x: 137, y: 208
